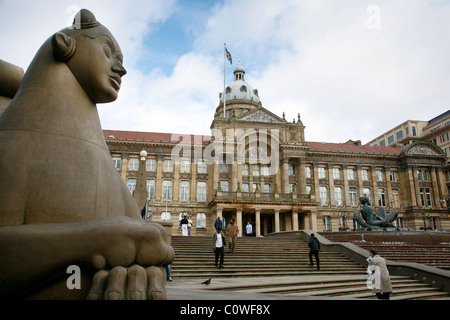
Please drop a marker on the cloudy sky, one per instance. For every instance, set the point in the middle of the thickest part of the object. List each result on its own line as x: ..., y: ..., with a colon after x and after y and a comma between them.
x: 352, y: 68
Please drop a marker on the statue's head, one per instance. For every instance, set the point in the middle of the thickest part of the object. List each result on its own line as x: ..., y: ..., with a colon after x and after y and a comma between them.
x: 365, y: 200
x: 93, y: 56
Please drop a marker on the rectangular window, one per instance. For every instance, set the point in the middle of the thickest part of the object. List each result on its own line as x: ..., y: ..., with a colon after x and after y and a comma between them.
x: 323, y: 196
x: 367, y: 193
x: 322, y: 173
x: 167, y: 165
x: 245, y: 169
x: 393, y: 175
x: 224, y: 185
x: 428, y: 196
x: 165, y: 216
x: 336, y: 173
x: 167, y: 190
x: 117, y: 162
x: 383, y: 143
x: 184, y: 190
x: 131, y: 183
x: 365, y: 174
x: 381, y: 198
x: 151, y: 188
x: 245, y: 187
x: 185, y: 166
x: 267, y: 188
x: 338, y: 196
x: 308, y: 189
x: 407, y: 131
x: 379, y: 175
x: 150, y: 165
x: 351, y: 174
x: 395, y: 201
x: 255, y: 169
x: 308, y: 172
x: 265, y: 170
x: 201, y: 167
x: 390, y: 140
x: 201, y: 191
x: 291, y: 169
x: 353, y: 197
x: 201, y: 220
x: 399, y: 135
x: 413, y: 131
x: 133, y: 164
x: 256, y: 187
x: 326, y: 223
x: 292, y: 188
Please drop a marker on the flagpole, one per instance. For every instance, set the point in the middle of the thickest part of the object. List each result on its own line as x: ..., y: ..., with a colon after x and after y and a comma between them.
x: 224, y: 100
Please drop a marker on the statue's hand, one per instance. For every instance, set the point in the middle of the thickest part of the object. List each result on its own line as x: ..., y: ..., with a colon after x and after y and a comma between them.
x: 132, y: 283
x: 123, y: 241
x: 131, y: 256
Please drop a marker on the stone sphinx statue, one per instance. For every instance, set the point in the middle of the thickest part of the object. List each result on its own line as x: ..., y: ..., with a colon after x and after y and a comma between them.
x: 62, y: 203
x: 368, y: 218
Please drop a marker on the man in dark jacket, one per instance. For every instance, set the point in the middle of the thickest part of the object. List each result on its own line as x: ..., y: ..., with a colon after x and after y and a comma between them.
x: 314, y: 247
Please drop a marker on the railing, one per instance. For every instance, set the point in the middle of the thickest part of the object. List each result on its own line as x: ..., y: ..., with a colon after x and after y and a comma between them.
x: 263, y: 196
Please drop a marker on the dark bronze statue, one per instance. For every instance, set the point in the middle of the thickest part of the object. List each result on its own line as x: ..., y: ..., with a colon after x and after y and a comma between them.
x: 368, y: 218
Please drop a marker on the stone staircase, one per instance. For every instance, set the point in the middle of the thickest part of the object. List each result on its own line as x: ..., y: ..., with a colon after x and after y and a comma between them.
x: 435, y: 254
x: 281, y: 266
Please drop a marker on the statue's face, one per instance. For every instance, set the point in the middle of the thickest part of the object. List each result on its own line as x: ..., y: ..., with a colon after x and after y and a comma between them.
x: 97, y: 65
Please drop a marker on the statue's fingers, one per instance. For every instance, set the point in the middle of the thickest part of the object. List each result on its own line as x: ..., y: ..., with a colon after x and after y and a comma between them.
x: 156, y: 289
x: 116, y: 284
x: 137, y: 283
x: 98, y: 285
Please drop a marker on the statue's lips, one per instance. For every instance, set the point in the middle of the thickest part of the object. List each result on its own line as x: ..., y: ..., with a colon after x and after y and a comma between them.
x: 116, y: 81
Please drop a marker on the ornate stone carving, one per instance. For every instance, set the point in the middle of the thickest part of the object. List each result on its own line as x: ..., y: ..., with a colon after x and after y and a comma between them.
x: 421, y: 150
x: 260, y: 116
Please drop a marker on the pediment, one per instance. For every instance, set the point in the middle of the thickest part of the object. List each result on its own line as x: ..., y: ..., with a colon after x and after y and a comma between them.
x: 423, y: 149
x: 260, y: 115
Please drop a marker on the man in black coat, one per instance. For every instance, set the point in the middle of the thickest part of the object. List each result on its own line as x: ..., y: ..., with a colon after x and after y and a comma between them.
x: 314, y: 247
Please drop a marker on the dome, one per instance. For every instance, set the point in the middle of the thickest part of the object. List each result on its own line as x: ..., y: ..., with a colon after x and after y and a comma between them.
x: 239, y: 89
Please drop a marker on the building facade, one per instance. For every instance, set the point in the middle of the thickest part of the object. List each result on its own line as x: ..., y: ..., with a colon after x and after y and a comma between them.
x: 257, y: 167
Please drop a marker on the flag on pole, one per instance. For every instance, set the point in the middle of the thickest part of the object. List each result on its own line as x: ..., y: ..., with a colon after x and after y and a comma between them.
x: 228, y: 55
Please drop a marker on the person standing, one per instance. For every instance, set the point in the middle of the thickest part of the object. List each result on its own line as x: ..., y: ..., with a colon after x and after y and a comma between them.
x: 189, y: 225
x: 184, y: 226
x: 314, y: 247
x: 249, y: 229
x: 219, y: 246
x: 218, y: 223
x: 378, y: 264
x: 232, y: 231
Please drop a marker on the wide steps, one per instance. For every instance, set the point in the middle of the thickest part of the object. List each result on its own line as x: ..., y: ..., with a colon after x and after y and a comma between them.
x: 272, y: 258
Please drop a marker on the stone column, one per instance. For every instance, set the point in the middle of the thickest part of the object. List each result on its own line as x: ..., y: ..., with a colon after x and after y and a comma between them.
x: 346, y: 191
x: 331, y: 185
x: 277, y: 220
x: 295, y: 219
x: 258, y: 222
x: 434, y: 183
x: 239, y: 220
x: 388, y: 187
x: 415, y: 187
x: 285, y: 175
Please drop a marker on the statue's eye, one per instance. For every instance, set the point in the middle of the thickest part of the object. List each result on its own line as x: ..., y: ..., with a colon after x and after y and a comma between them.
x: 107, y: 51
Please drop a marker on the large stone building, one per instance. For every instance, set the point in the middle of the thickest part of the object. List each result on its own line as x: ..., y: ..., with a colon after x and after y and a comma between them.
x: 256, y: 166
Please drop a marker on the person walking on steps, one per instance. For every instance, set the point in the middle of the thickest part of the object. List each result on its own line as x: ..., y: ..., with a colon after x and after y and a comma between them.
x: 219, y: 246
x: 383, y: 286
x: 314, y: 247
x: 232, y: 232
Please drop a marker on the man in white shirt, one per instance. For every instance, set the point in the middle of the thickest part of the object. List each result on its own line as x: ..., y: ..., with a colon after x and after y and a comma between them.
x: 249, y: 229
x: 219, y: 246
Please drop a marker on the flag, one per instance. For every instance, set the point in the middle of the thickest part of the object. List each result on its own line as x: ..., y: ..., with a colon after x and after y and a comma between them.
x: 228, y: 55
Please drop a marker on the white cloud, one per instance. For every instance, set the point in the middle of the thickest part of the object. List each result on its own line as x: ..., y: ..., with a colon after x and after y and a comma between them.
x: 317, y: 58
